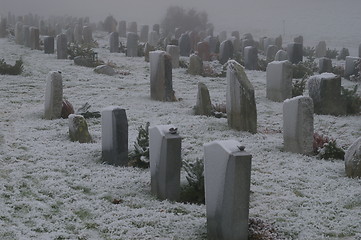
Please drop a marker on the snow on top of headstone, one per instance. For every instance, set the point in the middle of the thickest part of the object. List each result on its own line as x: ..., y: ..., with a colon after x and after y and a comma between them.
x: 294, y: 98
x: 111, y: 108
x: 163, y: 129
x: 325, y: 75
x: 229, y: 146
x: 278, y: 62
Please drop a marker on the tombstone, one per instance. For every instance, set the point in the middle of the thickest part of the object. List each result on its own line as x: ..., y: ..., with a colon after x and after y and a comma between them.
x: 177, y: 33
x: 114, y: 136
x: 105, y: 69
x: 194, y: 37
x: 61, y: 46
x: 225, y: 51
x: 78, y: 129
x: 278, y: 42
x: 132, y: 44
x: 153, y: 38
x: 325, y: 91
x: 235, y: 34
x: 246, y: 43
x: 53, y: 96
x: 213, y: 44
x: 184, y: 45
x: 161, y: 86
x: 321, y: 49
x: 69, y: 32
x: 236, y: 43
x: 87, y: 34
x: 324, y: 65
x: 165, y: 161
x: 204, y: 105
x: 34, y: 38
x: 3, y: 26
x: 298, y: 125
x: 173, y: 51
x: 156, y: 28
x: 114, y: 42
x: 298, y: 39
x: 133, y: 27
x: 149, y: 48
x: 19, y: 38
x: 343, y: 54
x: 195, y: 65
x: 78, y: 30
x: 351, y: 66
x: 203, y: 51
x: 42, y: 28
x: 48, y: 45
x: 279, y: 81
x: 295, y: 52
x: 144, y: 31
x: 58, y: 29
x: 281, y: 55
x: 222, y: 36
x: 271, y: 52
x: 26, y: 35
x: 122, y: 29
x: 227, y: 178
x: 210, y: 30
x: 251, y: 58
x: 353, y: 160
x: 241, y: 104
x: 267, y: 42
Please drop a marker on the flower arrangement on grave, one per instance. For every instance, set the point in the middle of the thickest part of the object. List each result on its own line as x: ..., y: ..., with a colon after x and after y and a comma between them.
x: 139, y: 157
x: 194, y: 191
x: 326, y: 148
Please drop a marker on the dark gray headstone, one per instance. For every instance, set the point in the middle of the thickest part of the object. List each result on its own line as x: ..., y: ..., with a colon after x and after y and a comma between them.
x: 295, y: 52
x: 49, y: 45
x: 225, y: 51
x: 144, y: 31
x: 122, y: 28
x: 61, y: 46
x: 19, y: 39
x: 213, y: 44
x: 324, y: 65
x: 132, y: 44
x: 114, y: 42
x: 251, y: 58
x: 271, y: 52
x: 195, y: 65
x: 185, y: 45
x: 26, y: 36
x: 34, y: 38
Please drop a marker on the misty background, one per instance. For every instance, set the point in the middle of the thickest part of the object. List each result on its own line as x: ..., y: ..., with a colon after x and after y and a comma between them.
x: 338, y: 22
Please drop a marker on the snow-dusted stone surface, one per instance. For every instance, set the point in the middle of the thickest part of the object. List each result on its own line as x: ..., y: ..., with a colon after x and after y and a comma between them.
x: 298, y: 125
x: 132, y: 44
x: 225, y: 51
x: 279, y: 80
x: 114, y: 136
x: 204, y: 105
x: 173, y: 51
x: 114, y: 42
x: 353, y: 160
x: 165, y: 161
x: 161, y: 85
x: 78, y: 129
x: 49, y: 45
x: 61, y: 46
x: 251, y: 58
x: 153, y: 38
x: 105, y: 69
x: 53, y: 95
x: 195, y: 66
x: 241, y: 104
x: 227, y: 173
x: 34, y: 38
x: 295, y: 52
x: 350, y: 65
x: 324, y: 65
x: 271, y: 52
x: 325, y: 91
x: 87, y: 34
x: 281, y: 55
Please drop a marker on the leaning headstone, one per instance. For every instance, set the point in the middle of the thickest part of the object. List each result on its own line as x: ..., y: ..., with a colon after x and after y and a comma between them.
x: 241, y: 104
x: 324, y: 65
x: 34, y: 38
x: 153, y: 38
x: 203, y: 51
x: 161, y: 86
x: 350, y: 66
x: 173, y: 51
x: 325, y: 91
x: 225, y: 51
x: 227, y: 177
x: 279, y: 81
x: 114, y: 42
x: 78, y: 129
x: 26, y: 35
x: 105, y: 69
x: 281, y: 55
x: 53, y: 96
x: 87, y: 34
x: 353, y: 160
x: 122, y: 28
x: 343, y: 54
x: 204, y: 105
x: 19, y: 39
x: 61, y: 46
x: 298, y: 125
x: 132, y: 44
x: 165, y: 161
x: 185, y: 45
x: 251, y: 58
x: 271, y: 52
x: 195, y: 65
x: 114, y: 136
x: 49, y: 45
x: 144, y: 31
x: 321, y: 49
x: 133, y: 27
x: 295, y: 52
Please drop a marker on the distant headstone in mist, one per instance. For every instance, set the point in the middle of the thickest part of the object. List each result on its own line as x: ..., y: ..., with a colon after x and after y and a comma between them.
x: 114, y: 42
x: 19, y: 39
x: 251, y: 58
x: 321, y: 49
x: 61, y: 46
x: 295, y: 52
x: 132, y: 44
x: 204, y: 51
x: 34, y: 38
x: 281, y: 55
x: 87, y: 34
x: 195, y: 65
x: 133, y: 27
x: 144, y: 31
x: 122, y: 28
x: 49, y: 44
x: 351, y: 66
x: 225, y: 51
x: 153, y: 38
x: 173, y: 51
x: 185, y: 45
x: 271, y: 52
x: 324, y: 65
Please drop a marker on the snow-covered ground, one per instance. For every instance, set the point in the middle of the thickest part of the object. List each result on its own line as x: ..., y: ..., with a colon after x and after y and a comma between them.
x: 52, y: 188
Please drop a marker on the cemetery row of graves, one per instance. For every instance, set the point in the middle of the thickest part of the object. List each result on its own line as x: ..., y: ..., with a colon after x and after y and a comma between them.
x: 241, y: 153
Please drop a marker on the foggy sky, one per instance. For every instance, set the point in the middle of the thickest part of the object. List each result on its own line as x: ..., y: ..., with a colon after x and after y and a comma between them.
x: 272, y: 17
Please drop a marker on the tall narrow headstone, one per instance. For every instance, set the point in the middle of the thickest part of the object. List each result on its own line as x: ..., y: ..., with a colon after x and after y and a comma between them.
x: 251, y: 58
x: 295, y: 52
x: 271, y: 52
x: 144, y: 31
x: 173, y: 51
x: 350, y: 66
x: 78, y: 31
x: 26, y: 35
x: 114, y: 136
x: 114, y: 42
x: 3, y: 26
x: 241, y: 104
x: 87, y: 34
x: 203, y: 105
x: 122, y: 28
x: 133, y: 27
x: 203, y: 51
x: 184, y: 45
x: 278, y: 41
x: 298, y: 125
x: 359, y: 51
x: 324, y: 65
x: 165, y: 161
x: 156, y: 27
x: 268, y: 42
x: 34, y: 38
x: 53, y: 95
x: 61, y: 46
x: 279, y: 81
x: 225, y: 51
x: 69, y: 32
x: 132, y: 44
x: 19, y: 39
x: 153, y: 38
x: 161, y: 86
x: 321, y: 49
x: 227, y: 172
x: 48, y: 44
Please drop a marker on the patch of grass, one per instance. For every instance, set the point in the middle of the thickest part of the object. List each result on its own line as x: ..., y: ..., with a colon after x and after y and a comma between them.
x: 83, y: 214
x: 7, y: 69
